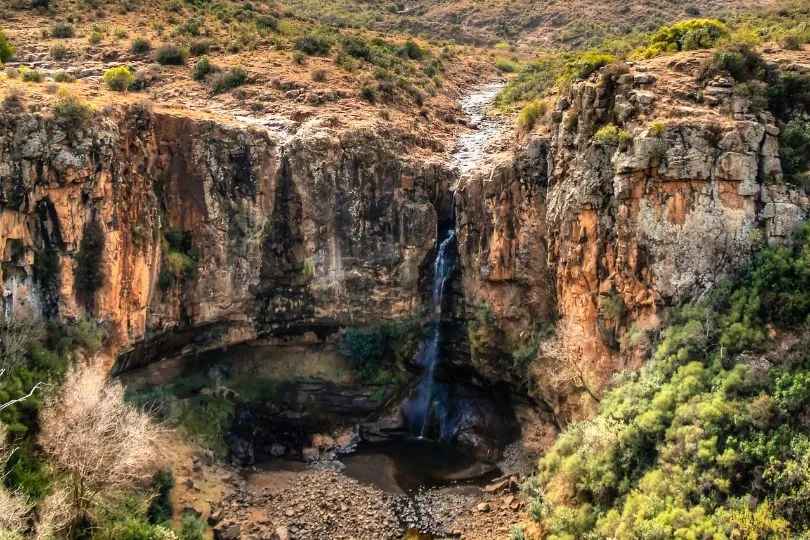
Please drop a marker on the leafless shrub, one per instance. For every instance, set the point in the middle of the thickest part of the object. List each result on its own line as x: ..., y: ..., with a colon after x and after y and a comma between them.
x: 566, y: 350
x: 14, y: 507
x: 102, y: 444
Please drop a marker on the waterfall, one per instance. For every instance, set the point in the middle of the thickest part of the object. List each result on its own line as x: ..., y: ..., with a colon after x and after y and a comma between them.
x: 428, y: 400
x: 442, y: 267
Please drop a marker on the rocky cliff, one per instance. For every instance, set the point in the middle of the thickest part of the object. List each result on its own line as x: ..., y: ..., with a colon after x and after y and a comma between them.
x: 606, y: 225
x: 174, y: 228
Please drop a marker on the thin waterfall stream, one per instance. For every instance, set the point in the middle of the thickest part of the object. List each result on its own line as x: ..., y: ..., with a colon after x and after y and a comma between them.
x: 424, y: 410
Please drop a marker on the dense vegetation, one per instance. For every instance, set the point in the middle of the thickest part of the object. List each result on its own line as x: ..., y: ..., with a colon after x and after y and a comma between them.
x: 711, y: 438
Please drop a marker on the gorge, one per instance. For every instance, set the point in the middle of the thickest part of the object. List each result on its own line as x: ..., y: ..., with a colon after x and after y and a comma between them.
x: 373, y: 285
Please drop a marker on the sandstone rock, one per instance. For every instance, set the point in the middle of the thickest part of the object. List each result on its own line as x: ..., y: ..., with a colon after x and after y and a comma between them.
x: 310, y: 454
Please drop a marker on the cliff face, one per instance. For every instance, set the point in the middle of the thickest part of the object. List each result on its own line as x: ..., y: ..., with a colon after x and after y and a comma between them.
x: 605, y: 230
x: 217, y: 231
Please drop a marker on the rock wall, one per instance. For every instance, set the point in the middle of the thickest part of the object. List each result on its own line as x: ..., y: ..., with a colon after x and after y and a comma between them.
x: 607, y: 230
x: 172, y: 229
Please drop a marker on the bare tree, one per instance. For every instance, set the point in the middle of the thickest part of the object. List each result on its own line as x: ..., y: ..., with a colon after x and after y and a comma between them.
x: 103, y: 444
x: 566, y: 348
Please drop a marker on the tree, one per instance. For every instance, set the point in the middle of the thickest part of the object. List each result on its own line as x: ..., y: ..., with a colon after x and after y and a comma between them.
x: 566, y: 348
x: 102, y: 444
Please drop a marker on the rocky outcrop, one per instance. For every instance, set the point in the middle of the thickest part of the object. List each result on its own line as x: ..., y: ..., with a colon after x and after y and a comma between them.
x: 609, y: 229
x: 174, y: 229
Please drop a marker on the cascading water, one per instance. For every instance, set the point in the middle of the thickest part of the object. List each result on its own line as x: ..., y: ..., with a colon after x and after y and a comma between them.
x: 428, y: 406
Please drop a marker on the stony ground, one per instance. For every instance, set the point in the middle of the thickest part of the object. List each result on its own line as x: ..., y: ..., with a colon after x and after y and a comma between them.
x: 320, y: 503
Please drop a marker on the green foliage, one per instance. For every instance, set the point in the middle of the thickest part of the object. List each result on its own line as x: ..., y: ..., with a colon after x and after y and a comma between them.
x: 204, y: 419
x: 229, y: 79
x: 171, y: 55
x: 315, y: 43
x: 31, y: 75
x: 95, y: 37
x: 369, y: 94
x: 607, y: 135
x: 70, y: 111
x: 203, y: 68
x: 684, y: 36
x: 789, y: 94
x: 377, y: 349
x: 739, y: 60
x: 192, y: 528
x: 160, y: 508
x: 6, y: 49
x: 179, y: 260
x: 140, y: 45
x: 506, y: 65
x: 698, y: 444
x: 63, y: 30
x: 530, y: 114
x: 62, y: 76
x: 119, y: 78
x: 58, y: 52
x: 794, y: 152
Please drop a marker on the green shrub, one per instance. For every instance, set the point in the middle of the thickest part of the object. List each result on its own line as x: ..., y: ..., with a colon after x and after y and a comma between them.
x: 530, y: 114
x: 356, y: 47
x: 62, y: 30
x: 791, y: 42
x: 740, y: 61
x: 199, y: 47
x: 140, y: 45
x: 314, y: 44
x: 192, y: 27
x: 794, y: 152
x: 31, y: 75
x: 71, y: 111
x: 203, y: 68
x: 171, y: 55
x: 119, y: 78
x: 298, y: 58
x: 229, y: 79
x: 95, y: 38
x: 191, y: 528
x: 376, y: 349
x: 58, y: 52
x: 6, y: 49
x: 586, y: 64
x: 160, y: 508
x: 506, y: 65
x: 607, y: 135
x: 413, y: 51
x: 369, y: 94
x: 319, y: 75
x: 685, y: 36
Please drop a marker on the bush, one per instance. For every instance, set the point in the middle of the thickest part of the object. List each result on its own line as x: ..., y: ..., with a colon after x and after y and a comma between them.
x: 314, y: 44
x: 791, y: 42
x: 607, y: 135
x: 413, y: 51
x: 794, y: 152
x: 740, y: 61
x: 356, y: 47
x: 530, y: 114
x: 119, y: 79
x: 171, y: 55
x: 369, y: 94
x: 203, y: 68
x: 58, y: 52
x: 229, y: 79
x: 586, y: 64
x: 319, y: 75
x: 140, y: 45
x: 506, y: 65
x: 63, y: 30
x: 95, y: 38
x: 31, y: 75
x: 191, y: 528
x: 160, y: 509
x: 199, y: 47
x: 684, y: 36
x: 6, y: 49
x: 298, y: 58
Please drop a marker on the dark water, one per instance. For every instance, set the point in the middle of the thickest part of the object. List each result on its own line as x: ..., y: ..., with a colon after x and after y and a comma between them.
x: 405, y: 465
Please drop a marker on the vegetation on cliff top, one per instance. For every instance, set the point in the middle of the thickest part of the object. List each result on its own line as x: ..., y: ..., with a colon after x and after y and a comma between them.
x: 710, y: 439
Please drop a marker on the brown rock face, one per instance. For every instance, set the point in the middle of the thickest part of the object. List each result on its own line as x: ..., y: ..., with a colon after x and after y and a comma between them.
x: 611, y: 232
x: 172, y: 229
